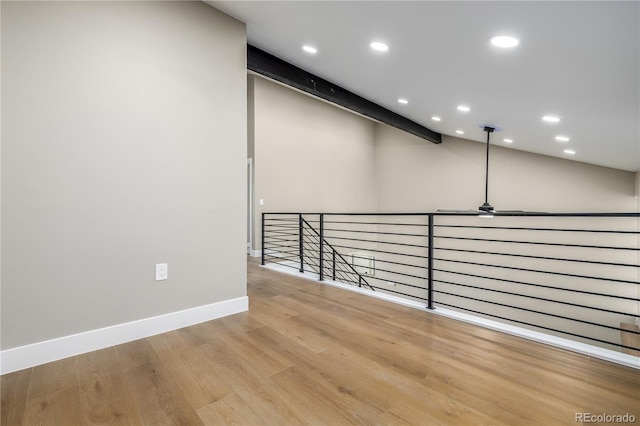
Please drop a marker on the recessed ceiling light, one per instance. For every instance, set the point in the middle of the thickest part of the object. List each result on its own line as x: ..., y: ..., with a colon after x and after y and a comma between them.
x: 569, y: 151
x: 435, y: 118
x: 309, y: 49
x: 562, y: 138
x: 504, y: 41
x: 551, y: 119
x: 403, y: 101
x: 508, y: 140
x: 463, y: 108
x: 460, y: 132
x: 380, y: 47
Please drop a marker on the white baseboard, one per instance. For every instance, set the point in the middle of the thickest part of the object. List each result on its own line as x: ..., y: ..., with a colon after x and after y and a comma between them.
x: 52, y: 350
x: 255, y: 253
x: 559, y: 342
x: 313, y: 276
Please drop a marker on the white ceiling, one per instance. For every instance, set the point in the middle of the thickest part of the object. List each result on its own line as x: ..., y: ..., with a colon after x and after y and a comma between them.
x: 579, y: 60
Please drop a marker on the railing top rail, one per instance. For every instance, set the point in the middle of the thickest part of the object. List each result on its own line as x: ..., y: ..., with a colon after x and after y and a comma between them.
x: 454, y: 214
x: 349, y: 214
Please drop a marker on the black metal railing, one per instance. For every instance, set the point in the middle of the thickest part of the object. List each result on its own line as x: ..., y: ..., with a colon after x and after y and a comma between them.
x: 575, y: 275
x: 295, y: 243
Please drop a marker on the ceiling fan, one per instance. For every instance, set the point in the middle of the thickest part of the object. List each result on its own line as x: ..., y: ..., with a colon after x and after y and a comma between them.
x: 486, y: 209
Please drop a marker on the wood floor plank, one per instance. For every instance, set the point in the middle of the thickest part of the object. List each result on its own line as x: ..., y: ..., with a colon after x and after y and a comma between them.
x: 314, y: 339
x: 520, y: 350
x: 53, y: 377
x: 159, y: 398
x: 616, y: 378
x: 249, y: 384
x: 275, y: 407
x: 105, y: 396
x: 432, y: 327
x: 97, y: 364
x: 507, y: 370
x: 293, y: 303
x: 364, y: 305
x: 263, y: 406
x: 240, y: 343
x: 136, y: 353
x: 328, y: 378
x: 400, y: 356
x: 201, y: 383
x: 302, y: 390
x: 231, y: 410
x: 218, y: 354
x: 318, y: 364
x: 264, y: 360
x: 199, y: 334
x: 109, y: 401
x: 390, y: 390
x: 503, y: 399
x: 169, y: 346
x: 612, y: 389
x: 372, y: 379
x: 14, y: 389
x: 240, y: 323
x: 270, y: 314
x: 270, y: 363
x: 61, y: 407
x: 411, y: 414
x: 239, y: 374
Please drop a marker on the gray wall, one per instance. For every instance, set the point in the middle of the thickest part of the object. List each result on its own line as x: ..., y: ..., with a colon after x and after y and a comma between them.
x: 452, y: 176
x: 123, y: 146
x: 309, y: 155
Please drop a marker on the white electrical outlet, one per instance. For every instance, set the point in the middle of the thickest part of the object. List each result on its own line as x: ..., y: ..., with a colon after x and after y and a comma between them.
x: 162, y: 271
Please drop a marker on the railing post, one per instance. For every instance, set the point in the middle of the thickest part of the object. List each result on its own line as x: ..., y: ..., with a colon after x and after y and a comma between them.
x: 430, y: 264
x: 301, y: 240
x: 334, y: 263
x: 321, y: 246
x: 262, y: 249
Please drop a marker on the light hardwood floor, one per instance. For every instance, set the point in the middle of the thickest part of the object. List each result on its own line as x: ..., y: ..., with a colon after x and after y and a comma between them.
x: 306, y: 353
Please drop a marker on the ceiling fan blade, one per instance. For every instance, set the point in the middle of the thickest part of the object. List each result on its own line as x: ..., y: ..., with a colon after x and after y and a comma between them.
x: 520, y: 211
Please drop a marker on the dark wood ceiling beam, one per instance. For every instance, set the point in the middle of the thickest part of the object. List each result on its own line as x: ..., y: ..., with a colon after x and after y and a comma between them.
x: 277, y: 69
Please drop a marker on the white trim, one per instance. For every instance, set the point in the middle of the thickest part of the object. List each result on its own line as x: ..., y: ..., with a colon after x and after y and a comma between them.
x: 559, y: 342
x: 255, y: 253
x: 52, y: 350
x: 313, y: 276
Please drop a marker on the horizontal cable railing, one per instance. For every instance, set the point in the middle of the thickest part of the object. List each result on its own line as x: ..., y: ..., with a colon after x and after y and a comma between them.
x: 299, y: 245
x: 574, y: 275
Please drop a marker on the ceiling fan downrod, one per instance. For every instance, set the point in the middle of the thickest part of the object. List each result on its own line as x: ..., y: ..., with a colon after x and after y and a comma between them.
x: 486, y: 207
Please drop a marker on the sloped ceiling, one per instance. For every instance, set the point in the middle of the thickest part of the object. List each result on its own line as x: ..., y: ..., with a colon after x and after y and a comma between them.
x: 577, y: 60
